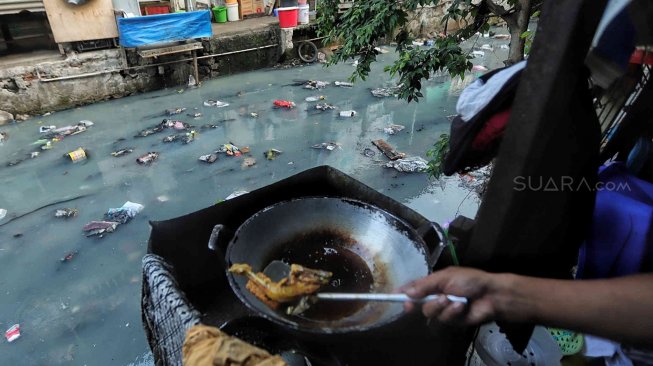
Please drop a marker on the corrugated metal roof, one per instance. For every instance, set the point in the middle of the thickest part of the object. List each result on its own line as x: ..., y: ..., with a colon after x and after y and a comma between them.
x: 16, y: 6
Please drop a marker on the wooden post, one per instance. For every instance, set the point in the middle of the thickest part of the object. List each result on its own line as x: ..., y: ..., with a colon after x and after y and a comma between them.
x: 195, y: 68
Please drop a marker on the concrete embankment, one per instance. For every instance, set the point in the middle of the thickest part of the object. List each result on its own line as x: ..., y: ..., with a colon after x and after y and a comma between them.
x: 29, y: 86
x: 83, y: 78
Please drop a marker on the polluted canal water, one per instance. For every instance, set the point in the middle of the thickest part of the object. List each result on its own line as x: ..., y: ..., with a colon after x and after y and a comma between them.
x: 77, y: 298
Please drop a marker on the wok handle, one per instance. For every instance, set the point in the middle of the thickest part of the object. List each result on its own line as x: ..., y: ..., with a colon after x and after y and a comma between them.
x: 435, y: 239
x: 219, y: 239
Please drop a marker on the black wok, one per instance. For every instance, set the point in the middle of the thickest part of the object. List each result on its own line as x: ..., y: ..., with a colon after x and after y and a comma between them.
x: 368, y: 249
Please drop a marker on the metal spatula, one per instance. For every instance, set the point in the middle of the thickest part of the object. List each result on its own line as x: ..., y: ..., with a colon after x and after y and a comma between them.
x: 335, y: 296
x: 277, y: 270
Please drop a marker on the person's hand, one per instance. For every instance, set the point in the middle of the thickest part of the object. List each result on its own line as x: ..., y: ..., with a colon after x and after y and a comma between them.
x: 480, y: 288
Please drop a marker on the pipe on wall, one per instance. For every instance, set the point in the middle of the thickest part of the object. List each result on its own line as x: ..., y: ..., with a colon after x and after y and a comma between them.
x: 79, y: 76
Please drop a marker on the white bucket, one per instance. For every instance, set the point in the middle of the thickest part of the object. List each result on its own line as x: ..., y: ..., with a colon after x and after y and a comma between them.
x: 302, y: 17
x: 232, y: 12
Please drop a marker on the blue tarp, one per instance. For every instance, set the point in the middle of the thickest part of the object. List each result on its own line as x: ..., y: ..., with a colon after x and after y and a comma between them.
x: 147, y: 30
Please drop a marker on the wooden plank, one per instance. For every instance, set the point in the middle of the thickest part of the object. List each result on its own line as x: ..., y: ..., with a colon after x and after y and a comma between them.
x: 71, y: 23
x: 156, y: 52
x: 388, y: 150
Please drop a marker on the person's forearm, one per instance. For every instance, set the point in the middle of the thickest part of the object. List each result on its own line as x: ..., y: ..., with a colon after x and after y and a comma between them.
x: 620, y: 308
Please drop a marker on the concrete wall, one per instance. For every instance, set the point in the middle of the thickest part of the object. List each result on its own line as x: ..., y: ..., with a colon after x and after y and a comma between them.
x: 22, y: 93
x: 247, y: 61
x: 427, y: 21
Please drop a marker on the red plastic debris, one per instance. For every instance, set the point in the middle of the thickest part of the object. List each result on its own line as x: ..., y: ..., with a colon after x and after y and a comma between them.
x: 13, y: 333
x: 284, y: 104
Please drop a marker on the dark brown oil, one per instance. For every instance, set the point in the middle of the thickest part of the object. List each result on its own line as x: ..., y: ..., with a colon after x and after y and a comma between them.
x: 328, y: 251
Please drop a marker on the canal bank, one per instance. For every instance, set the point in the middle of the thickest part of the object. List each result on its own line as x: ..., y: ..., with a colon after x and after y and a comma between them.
x: 42, y: 81
x: 52, y: 82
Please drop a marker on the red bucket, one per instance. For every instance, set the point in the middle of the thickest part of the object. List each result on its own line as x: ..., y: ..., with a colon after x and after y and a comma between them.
x: 288, y: 17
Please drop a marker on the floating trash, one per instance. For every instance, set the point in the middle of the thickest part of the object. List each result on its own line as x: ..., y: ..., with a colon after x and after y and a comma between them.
x: 66, y: 212
x: 316, y: 84
x: 166, y: 123
x: 272, y: 154
x: 13, y: 333
x: 348, y: 114
x: 150, y: 131
x: 147, y: 158
x: 324, y: 107
x: 68, y: 257
x: 99, y: 228
x: 208, y: 158
x: 248, y: 162
x: 46, y: 146
x: 315, y: 98
x: 388, y: 150
x: 173, y: 111
x: 344, y: 84
x: 385, y: 92
x: 177, y: 125
x: 59, y: 134
x: 76, y: 155
x: 413, y: 164
x: 393, y: 129
x: 171, y: 138
x: 229, y: 149
x: 46, y: 129
x: 326, y: 145
x: 284, y: 104
x: 215, y: 103
x: 123, y: 214
x: 122, y: 152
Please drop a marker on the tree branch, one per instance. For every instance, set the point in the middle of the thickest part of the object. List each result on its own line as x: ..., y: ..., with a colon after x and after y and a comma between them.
x: 497, y: 9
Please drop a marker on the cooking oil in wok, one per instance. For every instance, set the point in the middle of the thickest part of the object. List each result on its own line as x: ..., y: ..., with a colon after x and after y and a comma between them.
x: 350, y: 273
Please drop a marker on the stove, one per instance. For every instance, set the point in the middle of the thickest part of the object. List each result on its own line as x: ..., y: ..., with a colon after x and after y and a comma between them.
x: 409, y: 341
x: 182, y: 242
